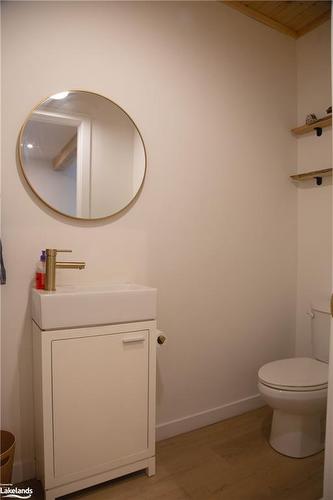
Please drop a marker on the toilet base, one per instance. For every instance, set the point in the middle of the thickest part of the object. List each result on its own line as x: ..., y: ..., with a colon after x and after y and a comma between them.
x: 297, y: 436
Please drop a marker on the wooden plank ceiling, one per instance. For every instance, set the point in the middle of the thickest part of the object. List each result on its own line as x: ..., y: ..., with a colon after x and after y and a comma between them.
x: 290, y: 17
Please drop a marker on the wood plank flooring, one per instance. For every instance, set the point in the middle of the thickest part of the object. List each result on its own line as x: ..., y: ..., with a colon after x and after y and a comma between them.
x: 230, y: 460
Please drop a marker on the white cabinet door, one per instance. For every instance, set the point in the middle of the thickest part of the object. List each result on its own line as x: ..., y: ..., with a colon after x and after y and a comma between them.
x: 100, y: 401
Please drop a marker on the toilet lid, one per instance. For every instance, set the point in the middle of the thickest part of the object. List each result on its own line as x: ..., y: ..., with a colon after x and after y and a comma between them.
x: 295, y: 374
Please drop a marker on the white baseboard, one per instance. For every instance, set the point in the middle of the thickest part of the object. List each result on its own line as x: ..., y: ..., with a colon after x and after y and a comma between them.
x: 207, y: 417
x: 23, y: 471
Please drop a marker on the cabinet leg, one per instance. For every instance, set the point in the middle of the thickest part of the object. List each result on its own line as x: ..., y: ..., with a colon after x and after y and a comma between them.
x: 151, y: 469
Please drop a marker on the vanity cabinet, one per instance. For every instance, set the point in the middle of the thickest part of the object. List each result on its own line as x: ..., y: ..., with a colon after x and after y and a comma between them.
x: 94, y: 404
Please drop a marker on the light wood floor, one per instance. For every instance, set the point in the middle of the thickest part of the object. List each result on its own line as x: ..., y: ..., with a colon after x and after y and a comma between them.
x: 230, y: 460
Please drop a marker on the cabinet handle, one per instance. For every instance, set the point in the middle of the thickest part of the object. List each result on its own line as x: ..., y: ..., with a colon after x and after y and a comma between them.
x: 129, y: 340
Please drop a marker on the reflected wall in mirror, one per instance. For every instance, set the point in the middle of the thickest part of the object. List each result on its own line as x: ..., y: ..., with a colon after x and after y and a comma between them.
x: 82, y: 155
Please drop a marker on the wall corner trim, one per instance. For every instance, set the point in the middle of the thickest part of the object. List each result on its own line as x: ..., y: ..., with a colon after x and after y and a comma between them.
x: 23, y: 471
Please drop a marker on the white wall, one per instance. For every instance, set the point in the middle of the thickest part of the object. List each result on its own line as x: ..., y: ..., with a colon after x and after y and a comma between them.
x: 214, y: 95
x: 328, y: 479
x: 314, y: 203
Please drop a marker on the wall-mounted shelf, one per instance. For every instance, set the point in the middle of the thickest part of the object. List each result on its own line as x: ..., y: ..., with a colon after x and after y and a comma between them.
x: 316, y: 174
x: 318, y: 126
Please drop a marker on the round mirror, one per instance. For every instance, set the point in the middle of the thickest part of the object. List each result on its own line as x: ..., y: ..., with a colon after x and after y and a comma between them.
x: 82, y: 155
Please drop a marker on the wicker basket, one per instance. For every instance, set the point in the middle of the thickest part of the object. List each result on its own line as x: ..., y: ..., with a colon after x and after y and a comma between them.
x: 7, y: 449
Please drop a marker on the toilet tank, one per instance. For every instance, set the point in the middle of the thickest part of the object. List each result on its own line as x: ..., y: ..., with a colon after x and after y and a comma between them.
x: 320, y: 331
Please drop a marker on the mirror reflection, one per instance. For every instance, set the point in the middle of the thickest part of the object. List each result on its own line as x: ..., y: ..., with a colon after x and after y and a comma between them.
x: 82, y: 155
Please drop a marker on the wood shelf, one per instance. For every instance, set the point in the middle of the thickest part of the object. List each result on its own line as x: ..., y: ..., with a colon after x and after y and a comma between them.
x: 316, y: 174
x: 326, y: 121
x: 66, y: 154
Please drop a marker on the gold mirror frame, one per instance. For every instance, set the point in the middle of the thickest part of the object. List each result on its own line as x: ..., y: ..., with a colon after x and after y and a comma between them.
x: 21, y: 162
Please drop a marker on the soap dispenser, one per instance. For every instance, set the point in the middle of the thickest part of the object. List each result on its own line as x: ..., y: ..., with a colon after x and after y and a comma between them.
x: 40, y: 271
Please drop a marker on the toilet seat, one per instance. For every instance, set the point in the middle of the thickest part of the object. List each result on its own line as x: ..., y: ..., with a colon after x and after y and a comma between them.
x: 295, y: 374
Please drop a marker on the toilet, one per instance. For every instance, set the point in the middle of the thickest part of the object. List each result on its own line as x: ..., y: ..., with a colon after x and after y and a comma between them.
x: 296, y: 389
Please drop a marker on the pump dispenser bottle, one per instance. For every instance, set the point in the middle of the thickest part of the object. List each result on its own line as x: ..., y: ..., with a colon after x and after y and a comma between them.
x: 40, y: 272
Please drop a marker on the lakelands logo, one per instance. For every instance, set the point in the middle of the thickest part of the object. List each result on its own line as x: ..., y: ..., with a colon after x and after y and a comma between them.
x: 10, y: 491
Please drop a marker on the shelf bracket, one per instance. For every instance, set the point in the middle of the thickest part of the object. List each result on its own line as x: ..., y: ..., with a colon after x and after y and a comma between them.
x: 319, y: 131
x: 316, y: 175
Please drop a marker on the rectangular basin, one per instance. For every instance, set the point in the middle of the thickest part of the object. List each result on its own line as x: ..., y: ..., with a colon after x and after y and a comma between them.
x: 78, y: 306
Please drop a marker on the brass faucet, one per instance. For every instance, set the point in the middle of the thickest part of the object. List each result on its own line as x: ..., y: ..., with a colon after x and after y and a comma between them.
x: 52, y: 264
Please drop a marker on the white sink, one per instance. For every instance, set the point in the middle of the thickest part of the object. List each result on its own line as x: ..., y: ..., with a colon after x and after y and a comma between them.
x: 73, y: 306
